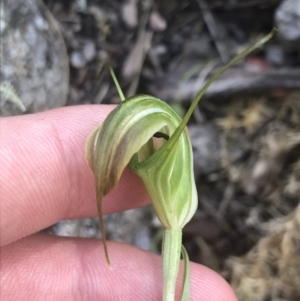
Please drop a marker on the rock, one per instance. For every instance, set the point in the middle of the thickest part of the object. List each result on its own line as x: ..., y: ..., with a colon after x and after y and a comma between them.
x: 275, y: 55
x: 130, y: 13
x: 287, y: 18
x: 131, y: 226
x: 77, y: 59
x: 34, y: 57
x: 206, y: 148
x: 89, y: 50
x: 157, y: 22
x: 84, y: 53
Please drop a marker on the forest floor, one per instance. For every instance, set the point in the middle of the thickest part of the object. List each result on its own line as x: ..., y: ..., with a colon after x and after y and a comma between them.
x: 245, y: 132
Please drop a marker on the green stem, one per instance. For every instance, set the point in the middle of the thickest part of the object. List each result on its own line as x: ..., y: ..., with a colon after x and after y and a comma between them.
x: 174, y: 138
x: 116, y: 83
x: 171, y: 259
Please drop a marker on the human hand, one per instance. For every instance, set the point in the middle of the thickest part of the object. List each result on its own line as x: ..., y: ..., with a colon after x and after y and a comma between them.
x: 44, y: 178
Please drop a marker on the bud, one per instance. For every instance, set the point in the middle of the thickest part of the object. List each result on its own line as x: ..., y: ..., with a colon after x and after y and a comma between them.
x: 127, y: 136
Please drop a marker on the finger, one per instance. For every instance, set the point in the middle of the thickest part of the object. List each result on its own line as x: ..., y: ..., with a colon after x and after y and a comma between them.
x: 52, y: 268
x: 44, y: 176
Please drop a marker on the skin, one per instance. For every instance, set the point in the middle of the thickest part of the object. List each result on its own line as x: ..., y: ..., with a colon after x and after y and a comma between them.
x: 44, y: 178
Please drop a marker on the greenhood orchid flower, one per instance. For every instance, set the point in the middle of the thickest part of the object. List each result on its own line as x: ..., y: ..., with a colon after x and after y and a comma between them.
x: 147, y: 135
x: 127, y: 136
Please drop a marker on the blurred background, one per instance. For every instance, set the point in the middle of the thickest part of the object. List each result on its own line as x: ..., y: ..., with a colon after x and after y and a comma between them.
x: 245, y: 132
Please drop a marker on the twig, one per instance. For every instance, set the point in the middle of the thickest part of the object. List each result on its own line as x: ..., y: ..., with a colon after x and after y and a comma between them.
x: 227, y: 197
x: 235, y: 82
x: 215, y: 31
x: 200, y: 82
x: 138, y: 53
x: 144, y: 41
x: 155, y: 62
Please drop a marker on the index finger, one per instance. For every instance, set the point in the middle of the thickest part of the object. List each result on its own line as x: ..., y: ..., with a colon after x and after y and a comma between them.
x: 44, y: 176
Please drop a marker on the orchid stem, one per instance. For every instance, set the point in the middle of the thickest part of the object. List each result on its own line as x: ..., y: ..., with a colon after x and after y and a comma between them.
x: 171, y: 259
x: 122, y: 97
